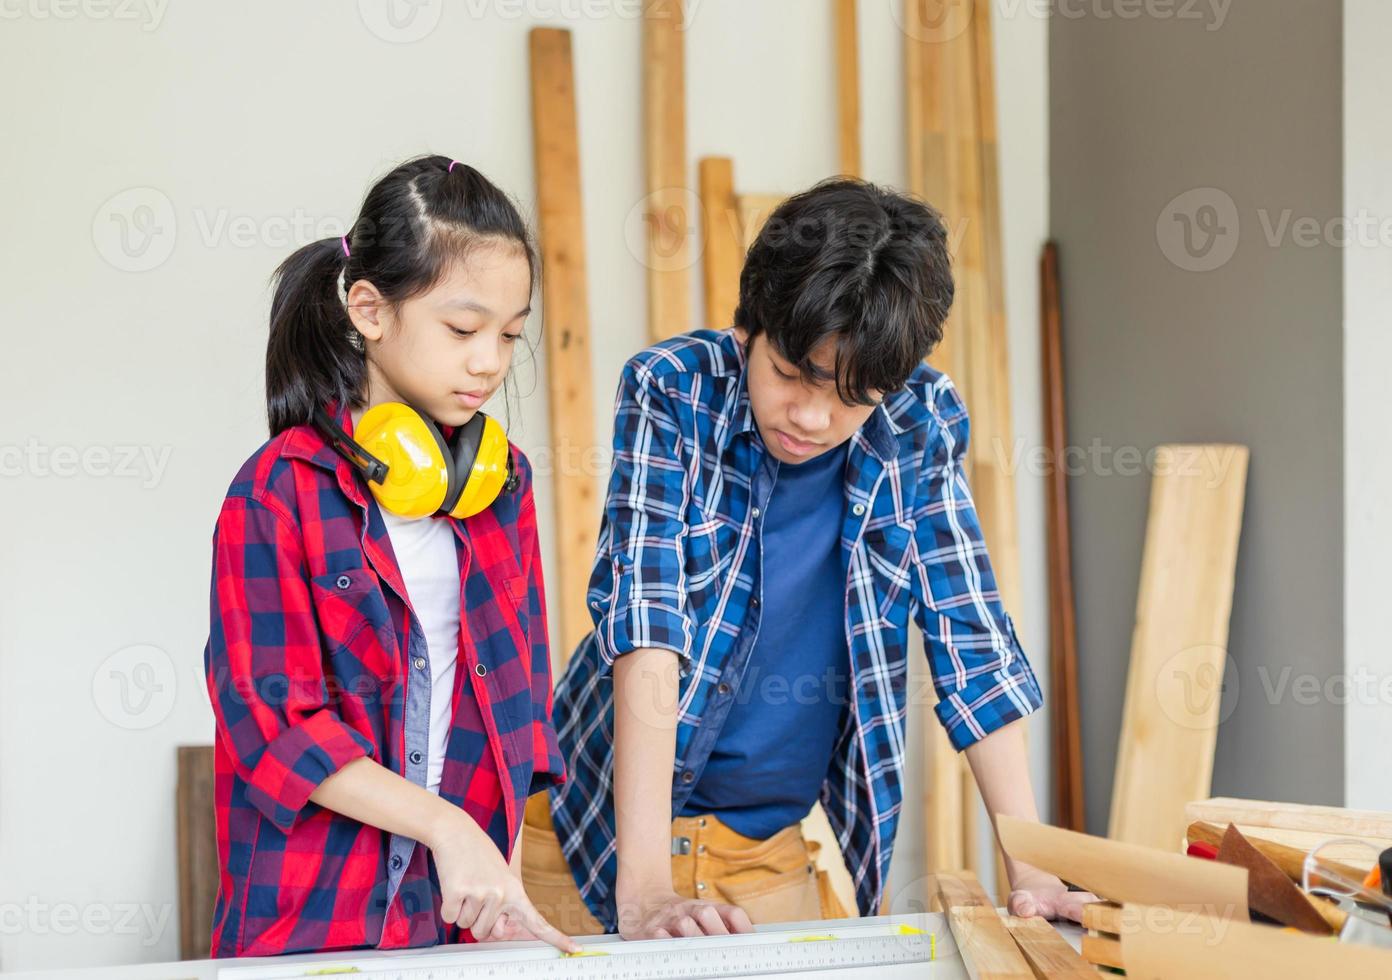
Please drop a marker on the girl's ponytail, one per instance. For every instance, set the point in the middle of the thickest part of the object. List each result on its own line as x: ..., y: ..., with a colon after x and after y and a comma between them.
x: 311, y: 356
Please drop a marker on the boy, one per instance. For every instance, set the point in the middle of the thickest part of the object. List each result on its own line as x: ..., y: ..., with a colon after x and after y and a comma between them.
x: 785, y: 496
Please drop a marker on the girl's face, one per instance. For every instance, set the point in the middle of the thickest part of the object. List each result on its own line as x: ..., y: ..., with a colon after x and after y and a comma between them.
x: 446, y: 351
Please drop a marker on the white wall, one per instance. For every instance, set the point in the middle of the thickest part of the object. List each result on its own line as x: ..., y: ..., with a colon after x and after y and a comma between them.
x: 224, y: 136
x: 1367, y: 436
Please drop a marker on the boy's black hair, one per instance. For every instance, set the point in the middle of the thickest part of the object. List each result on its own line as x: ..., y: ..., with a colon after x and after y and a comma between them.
x: 855, y: 262
x: 414, y: 223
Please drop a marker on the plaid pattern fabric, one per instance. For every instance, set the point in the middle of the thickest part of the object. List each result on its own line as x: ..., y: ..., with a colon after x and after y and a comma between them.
x: 308, y: 666
x: 678, y: 568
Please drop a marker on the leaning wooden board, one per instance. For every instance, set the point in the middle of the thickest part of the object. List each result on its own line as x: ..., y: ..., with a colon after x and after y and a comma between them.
x: 1179, y: 648
x: 565, y: 306
x: 668, y: 218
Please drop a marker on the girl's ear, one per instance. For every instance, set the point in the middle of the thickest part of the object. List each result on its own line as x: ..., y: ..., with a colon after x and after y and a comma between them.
x: 742, y: 335
x: 366, y: 310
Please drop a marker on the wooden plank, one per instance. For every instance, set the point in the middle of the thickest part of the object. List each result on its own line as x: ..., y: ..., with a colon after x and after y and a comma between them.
x: 957, y: 889
x: 195, y: 832
x: 1102, y: 951
x: 721, y: 234
x: 987, y: 951
x: 1102, y: 917
x: 1352, y: 851
x: 948, y: 809
x: 1063, y: 633
x: 847, y: 86
x: 1175, y: 944
x: 1323, y: 820
x: 1290, y: 860
x: 1178, y: 651
x: 1048, y: 953
x: 669, y: 204
x: 565, y: 304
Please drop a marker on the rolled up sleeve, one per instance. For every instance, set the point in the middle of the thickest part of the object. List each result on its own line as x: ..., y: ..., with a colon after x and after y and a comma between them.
x: 264, y: 665
x: 982, y: 678
x: 638, y: 593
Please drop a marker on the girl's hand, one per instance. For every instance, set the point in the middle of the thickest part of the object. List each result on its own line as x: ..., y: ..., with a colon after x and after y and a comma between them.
x: 666, y: 915
x: 1036, y: 892
x: 480, y: 893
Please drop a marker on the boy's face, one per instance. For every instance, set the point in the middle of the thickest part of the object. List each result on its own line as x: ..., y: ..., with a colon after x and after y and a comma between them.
x: 799, y: 420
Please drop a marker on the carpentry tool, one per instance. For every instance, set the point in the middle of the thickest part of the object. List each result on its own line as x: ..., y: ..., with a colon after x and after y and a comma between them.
x: 895, y: 946
x: 1369, y: 911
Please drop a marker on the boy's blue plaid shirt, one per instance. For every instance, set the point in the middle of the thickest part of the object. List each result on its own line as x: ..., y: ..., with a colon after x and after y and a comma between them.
x: 678, y: 568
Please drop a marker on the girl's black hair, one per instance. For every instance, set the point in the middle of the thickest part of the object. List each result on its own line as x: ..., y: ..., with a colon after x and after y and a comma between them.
x: 854, y: 261
x: 414, y: 223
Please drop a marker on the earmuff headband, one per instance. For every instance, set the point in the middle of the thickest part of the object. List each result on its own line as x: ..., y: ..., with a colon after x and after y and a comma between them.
x: 363, y: 461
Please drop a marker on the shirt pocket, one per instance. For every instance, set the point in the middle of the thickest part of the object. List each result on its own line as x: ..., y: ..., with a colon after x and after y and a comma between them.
x: 708, y: 556
x: 891, y: 571
x: 355, y: 626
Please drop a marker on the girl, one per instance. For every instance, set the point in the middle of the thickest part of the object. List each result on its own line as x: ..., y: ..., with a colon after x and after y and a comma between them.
x: 377, y: 660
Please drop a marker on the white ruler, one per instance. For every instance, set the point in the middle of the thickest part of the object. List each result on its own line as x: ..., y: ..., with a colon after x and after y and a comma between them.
x: 844, y: 945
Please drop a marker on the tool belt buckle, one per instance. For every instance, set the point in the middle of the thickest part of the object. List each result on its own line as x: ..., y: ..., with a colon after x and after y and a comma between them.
x: 681, y: 846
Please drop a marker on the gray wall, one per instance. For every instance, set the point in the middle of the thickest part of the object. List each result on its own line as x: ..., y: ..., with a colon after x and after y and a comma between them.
x: 1248, y: 105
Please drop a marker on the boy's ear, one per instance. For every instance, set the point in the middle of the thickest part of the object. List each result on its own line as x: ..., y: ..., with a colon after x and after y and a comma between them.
x: 742, y: 335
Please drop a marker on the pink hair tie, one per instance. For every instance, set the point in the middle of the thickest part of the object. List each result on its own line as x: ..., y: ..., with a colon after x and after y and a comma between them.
x: 451, y: 166
x: 344, y: 240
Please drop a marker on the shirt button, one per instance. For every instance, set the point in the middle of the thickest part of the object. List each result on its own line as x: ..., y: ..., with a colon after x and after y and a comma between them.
x: 480, y: 669
x: 396, y: 862
x: 754, y: 601
x: 723, y: 688
x: 415, y: 757
x: 343, y: 581
x: 755, y: 512
x: 858, y: 509
x: 700, y: 886
x: 420, y: 663
x: 688, y: 776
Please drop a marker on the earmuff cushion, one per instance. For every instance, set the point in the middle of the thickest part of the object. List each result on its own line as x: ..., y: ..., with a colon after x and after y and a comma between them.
x: 462, y: 452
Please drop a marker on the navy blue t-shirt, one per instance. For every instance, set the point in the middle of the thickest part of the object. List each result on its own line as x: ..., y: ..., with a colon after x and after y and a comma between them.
x: 769, y: 761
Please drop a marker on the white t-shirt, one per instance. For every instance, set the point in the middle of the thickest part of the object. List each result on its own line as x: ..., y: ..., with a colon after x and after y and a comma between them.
x: 425, y: 552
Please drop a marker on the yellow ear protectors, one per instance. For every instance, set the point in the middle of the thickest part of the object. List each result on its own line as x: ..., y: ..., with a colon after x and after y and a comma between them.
x: 414, y: 472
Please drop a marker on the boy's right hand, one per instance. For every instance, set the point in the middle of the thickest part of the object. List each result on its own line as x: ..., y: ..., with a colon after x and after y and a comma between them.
x: 479, y: 891
x: 667, y: 915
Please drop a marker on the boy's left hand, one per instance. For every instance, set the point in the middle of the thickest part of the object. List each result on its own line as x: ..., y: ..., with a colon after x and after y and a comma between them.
x: 1037, y: 892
